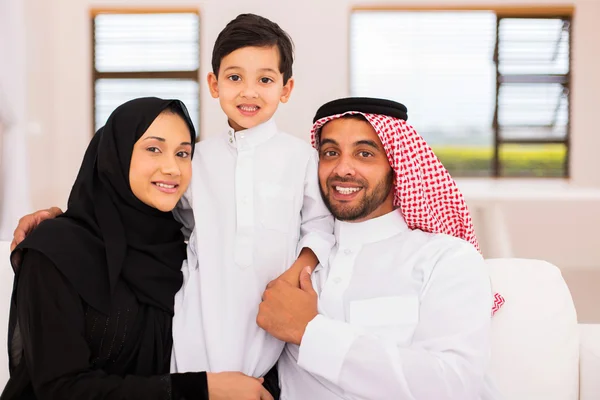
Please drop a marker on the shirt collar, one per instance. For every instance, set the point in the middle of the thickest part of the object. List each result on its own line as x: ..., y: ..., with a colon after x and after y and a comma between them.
x: 253, y: 136
x: 356, y: 234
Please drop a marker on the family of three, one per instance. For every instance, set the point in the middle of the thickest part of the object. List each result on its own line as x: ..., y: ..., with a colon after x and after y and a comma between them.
x: 251, y: 265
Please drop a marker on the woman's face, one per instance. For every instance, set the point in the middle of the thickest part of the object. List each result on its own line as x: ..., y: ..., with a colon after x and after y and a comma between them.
x: 161, y: 163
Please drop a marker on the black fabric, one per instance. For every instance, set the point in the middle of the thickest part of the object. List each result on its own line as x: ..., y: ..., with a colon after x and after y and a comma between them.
x: 271, y: 383
x: 66, y: 350
x: 93, y: 300
x: 365, y: 105
x: 189, y: 386
x: 74, y: 352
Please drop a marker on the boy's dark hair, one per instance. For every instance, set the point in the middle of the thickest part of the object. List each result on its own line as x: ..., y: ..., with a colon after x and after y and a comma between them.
x: 248, y: 30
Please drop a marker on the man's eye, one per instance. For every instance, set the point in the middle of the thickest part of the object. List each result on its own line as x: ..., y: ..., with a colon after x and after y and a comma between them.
x: 365, y: 154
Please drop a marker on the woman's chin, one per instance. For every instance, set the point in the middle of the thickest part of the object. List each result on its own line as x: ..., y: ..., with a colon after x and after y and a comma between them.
x: 164, y: 206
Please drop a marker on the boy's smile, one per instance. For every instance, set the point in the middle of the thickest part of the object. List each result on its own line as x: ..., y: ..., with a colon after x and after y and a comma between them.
x: 250, y: 86
x: 248, y: 110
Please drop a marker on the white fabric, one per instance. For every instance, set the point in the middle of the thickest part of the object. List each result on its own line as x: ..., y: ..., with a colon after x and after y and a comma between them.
x: 403, y: 315
x: 256, y: 203
x: 589, y: 364
x: 538, y: 320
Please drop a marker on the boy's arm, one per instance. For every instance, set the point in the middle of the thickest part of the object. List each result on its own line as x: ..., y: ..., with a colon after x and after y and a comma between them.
x: 316, y: 227
x: 306, y: 258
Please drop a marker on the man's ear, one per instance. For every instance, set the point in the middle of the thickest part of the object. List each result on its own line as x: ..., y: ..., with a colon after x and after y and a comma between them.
x: 213, y: 85
x: 287, y: 91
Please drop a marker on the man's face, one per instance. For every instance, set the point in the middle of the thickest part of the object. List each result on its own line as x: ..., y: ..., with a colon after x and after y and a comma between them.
x: 355, y: 176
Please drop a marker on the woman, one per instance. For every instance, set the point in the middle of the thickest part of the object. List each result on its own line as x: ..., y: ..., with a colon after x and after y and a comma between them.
x: 93, y: 296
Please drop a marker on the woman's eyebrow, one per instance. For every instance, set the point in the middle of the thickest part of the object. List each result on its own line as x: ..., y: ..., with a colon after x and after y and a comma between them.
x: 156, y: 138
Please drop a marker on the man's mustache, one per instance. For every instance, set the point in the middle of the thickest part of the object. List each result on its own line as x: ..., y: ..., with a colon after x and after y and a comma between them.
x: 338, y: 179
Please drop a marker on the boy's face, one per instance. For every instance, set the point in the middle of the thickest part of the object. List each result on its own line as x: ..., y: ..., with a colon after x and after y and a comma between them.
x: 249, y: 86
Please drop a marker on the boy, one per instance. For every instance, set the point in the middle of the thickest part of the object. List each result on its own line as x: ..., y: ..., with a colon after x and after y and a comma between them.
x: 256, y: 204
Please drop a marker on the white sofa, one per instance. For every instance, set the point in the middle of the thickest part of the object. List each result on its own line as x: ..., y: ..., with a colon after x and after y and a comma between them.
x: 539, y: 351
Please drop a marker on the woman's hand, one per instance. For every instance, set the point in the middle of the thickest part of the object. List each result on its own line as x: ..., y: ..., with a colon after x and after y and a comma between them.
x: 235, y: 386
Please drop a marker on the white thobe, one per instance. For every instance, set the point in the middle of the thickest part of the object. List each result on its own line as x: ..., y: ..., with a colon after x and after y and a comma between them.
x: 403, y: 315
x: 256, y: 202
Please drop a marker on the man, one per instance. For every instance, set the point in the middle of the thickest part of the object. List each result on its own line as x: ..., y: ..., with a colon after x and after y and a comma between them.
x: 403, y: 309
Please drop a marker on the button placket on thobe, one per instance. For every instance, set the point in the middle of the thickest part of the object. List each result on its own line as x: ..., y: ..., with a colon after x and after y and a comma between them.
x: 244, y: 200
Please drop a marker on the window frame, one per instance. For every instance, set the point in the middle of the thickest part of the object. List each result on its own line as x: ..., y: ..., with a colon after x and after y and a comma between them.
x: 96, y: 75
x: 525, y: 12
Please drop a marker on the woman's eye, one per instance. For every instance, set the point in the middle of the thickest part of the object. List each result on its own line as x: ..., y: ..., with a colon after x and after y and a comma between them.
x: 153, y: 149
x: 183, y: 154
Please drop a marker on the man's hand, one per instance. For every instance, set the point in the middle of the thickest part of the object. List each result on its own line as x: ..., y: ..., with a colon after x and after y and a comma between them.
x: 29, y: 222
x: 235, y: 386
x: 286, y: 310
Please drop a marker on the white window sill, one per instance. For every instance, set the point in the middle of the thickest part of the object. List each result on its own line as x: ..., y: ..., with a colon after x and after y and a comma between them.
x: 485, y: 190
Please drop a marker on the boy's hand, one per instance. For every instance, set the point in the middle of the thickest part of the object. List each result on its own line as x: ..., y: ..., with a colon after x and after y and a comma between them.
x: 286, y: 310
x: 29, y: 222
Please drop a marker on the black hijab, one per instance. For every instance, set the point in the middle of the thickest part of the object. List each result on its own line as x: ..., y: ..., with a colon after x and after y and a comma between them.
x: 107, y: 234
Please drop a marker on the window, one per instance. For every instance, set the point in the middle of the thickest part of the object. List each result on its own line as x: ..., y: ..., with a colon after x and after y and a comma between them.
x: 138, y: 54
x: 489, y: 92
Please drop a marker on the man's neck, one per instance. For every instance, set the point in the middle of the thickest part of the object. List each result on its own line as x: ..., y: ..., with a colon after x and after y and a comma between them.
x: 372, y: 230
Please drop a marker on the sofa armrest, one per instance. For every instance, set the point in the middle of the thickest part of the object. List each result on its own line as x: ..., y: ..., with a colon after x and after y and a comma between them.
x: 589, y: 361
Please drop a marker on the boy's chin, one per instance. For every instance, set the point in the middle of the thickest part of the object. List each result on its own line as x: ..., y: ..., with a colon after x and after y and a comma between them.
x: 240, y: 124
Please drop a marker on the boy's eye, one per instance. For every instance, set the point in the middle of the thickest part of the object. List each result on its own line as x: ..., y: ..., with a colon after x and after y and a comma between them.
x: 266, y: 80
x: 234, y: 78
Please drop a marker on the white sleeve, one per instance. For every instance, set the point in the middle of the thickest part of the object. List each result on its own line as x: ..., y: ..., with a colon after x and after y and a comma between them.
x: 316, y: 229
x: 447, y: 358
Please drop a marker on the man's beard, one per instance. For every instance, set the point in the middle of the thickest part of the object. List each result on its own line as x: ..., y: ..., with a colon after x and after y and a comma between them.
x: 366, y: 205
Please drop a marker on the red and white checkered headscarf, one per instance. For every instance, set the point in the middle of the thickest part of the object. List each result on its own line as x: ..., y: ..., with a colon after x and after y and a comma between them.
x: 426, y: 194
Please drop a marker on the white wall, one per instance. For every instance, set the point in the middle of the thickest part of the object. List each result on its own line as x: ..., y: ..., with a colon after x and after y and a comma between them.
x: 14, y: 188
x: 59, y: 99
